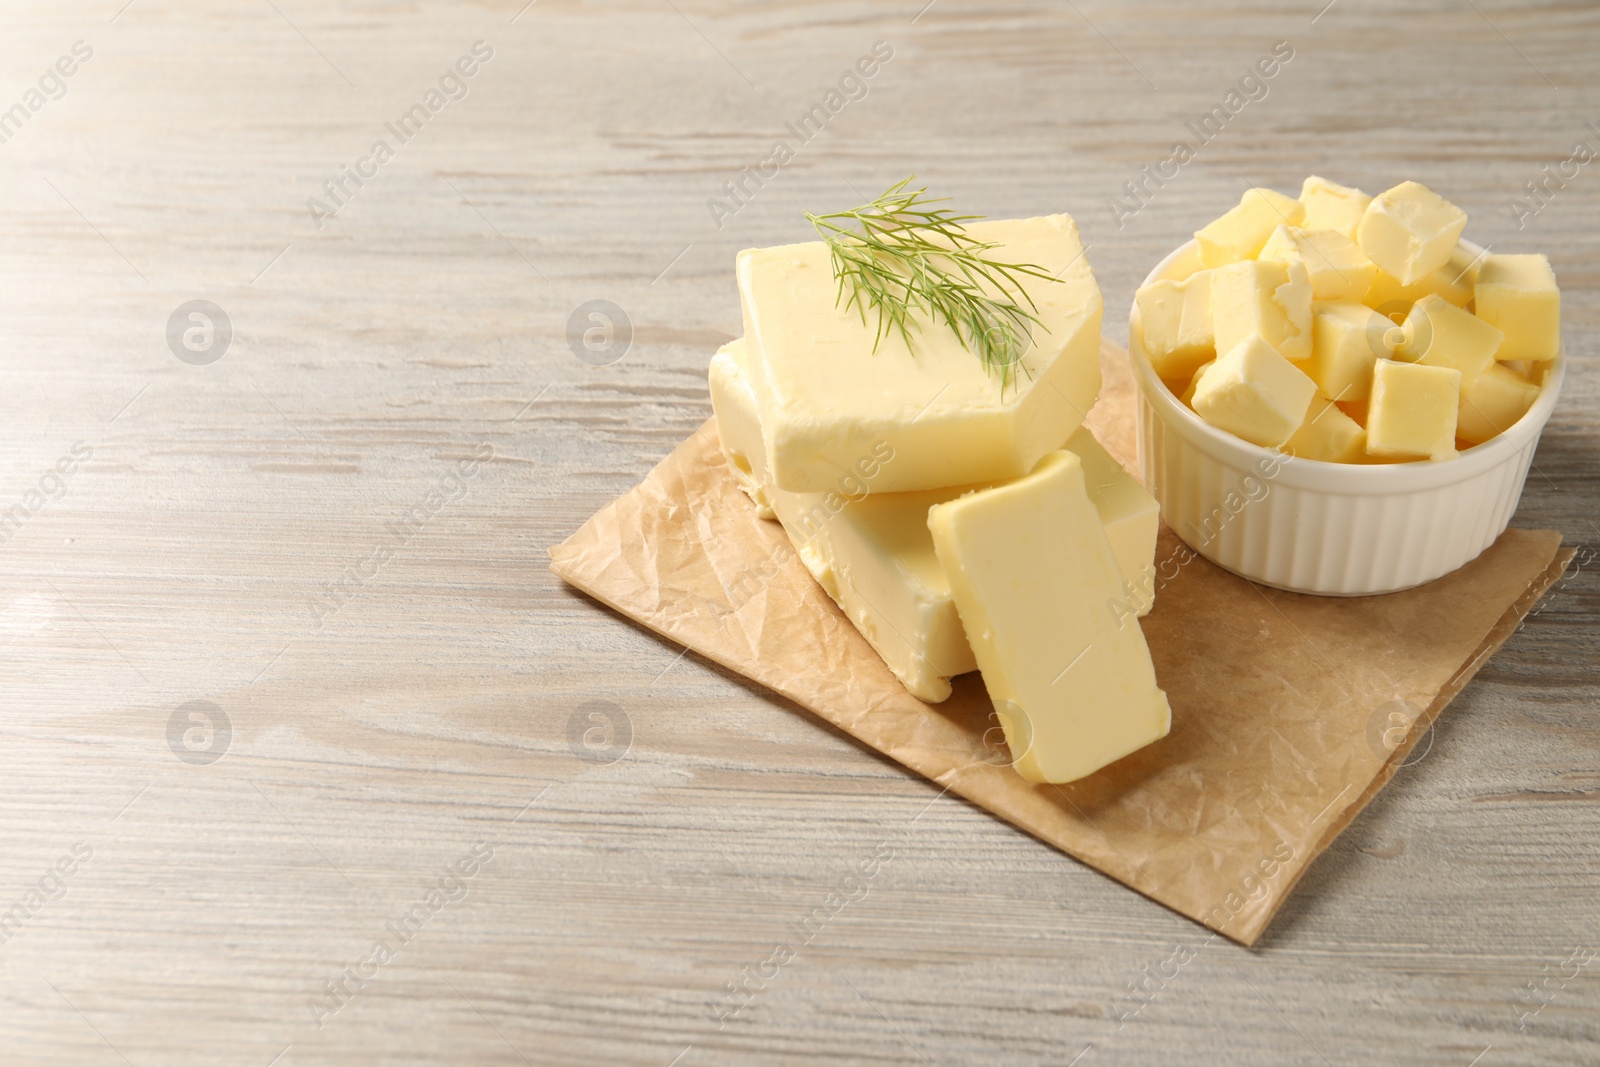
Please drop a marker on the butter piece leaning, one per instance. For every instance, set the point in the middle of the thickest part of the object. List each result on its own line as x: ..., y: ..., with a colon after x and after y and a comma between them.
x: 828, y: 399
x: 1130, y: 515
x: 1331, y: 206
x: 1347, y: 339
x: 1033, y: 575
x: 1442, y: 335
x: 1175, y: 324
x: 1241, y: 231
x: 1518, y: 295
x: 1329, y: 435
x: 1410, y: 230
x: 1255, y: 394
x: 1269, y: 298
x: 733, y: 403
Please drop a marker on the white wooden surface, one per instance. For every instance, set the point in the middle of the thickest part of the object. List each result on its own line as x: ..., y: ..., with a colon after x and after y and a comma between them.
x: 433, y: 710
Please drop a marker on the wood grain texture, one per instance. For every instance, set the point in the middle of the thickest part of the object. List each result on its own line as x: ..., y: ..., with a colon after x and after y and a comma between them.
x: 433, y: 710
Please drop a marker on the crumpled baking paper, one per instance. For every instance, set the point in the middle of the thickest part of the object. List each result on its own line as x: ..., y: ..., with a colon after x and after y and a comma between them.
x: 1289, y: 712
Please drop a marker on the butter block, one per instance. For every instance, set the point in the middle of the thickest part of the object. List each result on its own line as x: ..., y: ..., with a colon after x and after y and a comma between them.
x: 1518, y: 295
x: 1329, y: 435
x: 1452, y: 282
x: 733, y: 403
x: 1410, y: 230
x: 1034, y: 577
x: 1347, y: 339
x: 1175, y: 323
x: 1269, y: 298
x: 1338, y: 269
x: 1242, y: 230
x: 1492, y: 403
x: 1255, y: 394
x: 1194, y: 383
x: 828, y: 399
x: 1330, y: 206
x: 1412, y: 412
x: 1130, y: 515
x: 1441, y: 335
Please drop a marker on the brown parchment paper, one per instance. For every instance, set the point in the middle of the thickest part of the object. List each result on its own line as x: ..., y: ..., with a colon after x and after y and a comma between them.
x: 1289, y: 712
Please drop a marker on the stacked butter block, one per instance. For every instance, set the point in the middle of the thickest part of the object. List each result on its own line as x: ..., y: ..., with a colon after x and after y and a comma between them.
x: 961, y: 519
x: 1349, y: 328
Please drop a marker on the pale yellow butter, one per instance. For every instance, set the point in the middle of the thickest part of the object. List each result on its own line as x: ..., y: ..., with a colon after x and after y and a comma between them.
x: 1255, y: 394
x: 1268, y: 298
x: 1175, y: 324
x: 1338, y: 269
x: 1346, y: 341
x: 1330, y: 206
x: 1412, y: 412
x: 828, y: 399
x: 1452, y: 282
x: 1441, y: 335
x: 1034, y: 577
x: 1518, y: 294
x: 733, y: 403
x: 1492, y: 403
x: 1329, y: 435
x: 1130, y: 515
x: 1194, y: 383
x: 1410, y: 230
x: 1241, y: 231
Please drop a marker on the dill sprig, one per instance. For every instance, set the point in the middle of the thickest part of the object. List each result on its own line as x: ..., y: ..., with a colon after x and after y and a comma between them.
x: 906, y: 260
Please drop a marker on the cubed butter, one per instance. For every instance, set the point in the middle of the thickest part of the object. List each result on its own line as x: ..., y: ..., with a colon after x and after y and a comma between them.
x: 1330, y: 206
x: 1255, y: 394
x: 1453, y: 282
x: 1175, y: 324
x: 1346, y: 341
x: 1242, y: 230
x: 828, y: 399
x: 1441, y: 335
x: 733, y: 403
x: 1492, y: 403
x: 1329, y: 435
x: 1269, y: 298
x: 1034, y: 577
x: 1338, y: 269
x: 1518, y: 295
x: 1410, y: 230
x: 1412, y: 412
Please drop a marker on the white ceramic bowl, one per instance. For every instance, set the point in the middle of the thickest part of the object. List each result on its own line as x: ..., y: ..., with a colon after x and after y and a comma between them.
x: 1331, y: 528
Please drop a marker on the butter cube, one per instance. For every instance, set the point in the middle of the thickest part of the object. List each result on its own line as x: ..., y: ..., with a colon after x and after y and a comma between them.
x: 1441, y: 335
x: 1034, y: 577
x: 1412, y: 413
x: 1267, y: 297
x: 828, y: 399
x: 1240, y: 232
x: 1329, y: 435
x: 1518, y: 294
x: 733, y: 403
x: 1255, y: 394
x: 1194, y: 383
x: 1452, y: 282
x: 1339, y: 270
x: 1346, y: 341
x: 1410, y: 230
x: 1492, y: 403
x: 1175, y: 320
x: 1330, y: 206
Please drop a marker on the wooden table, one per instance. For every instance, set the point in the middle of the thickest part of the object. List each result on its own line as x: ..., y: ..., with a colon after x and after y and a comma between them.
x: 393, y: 690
